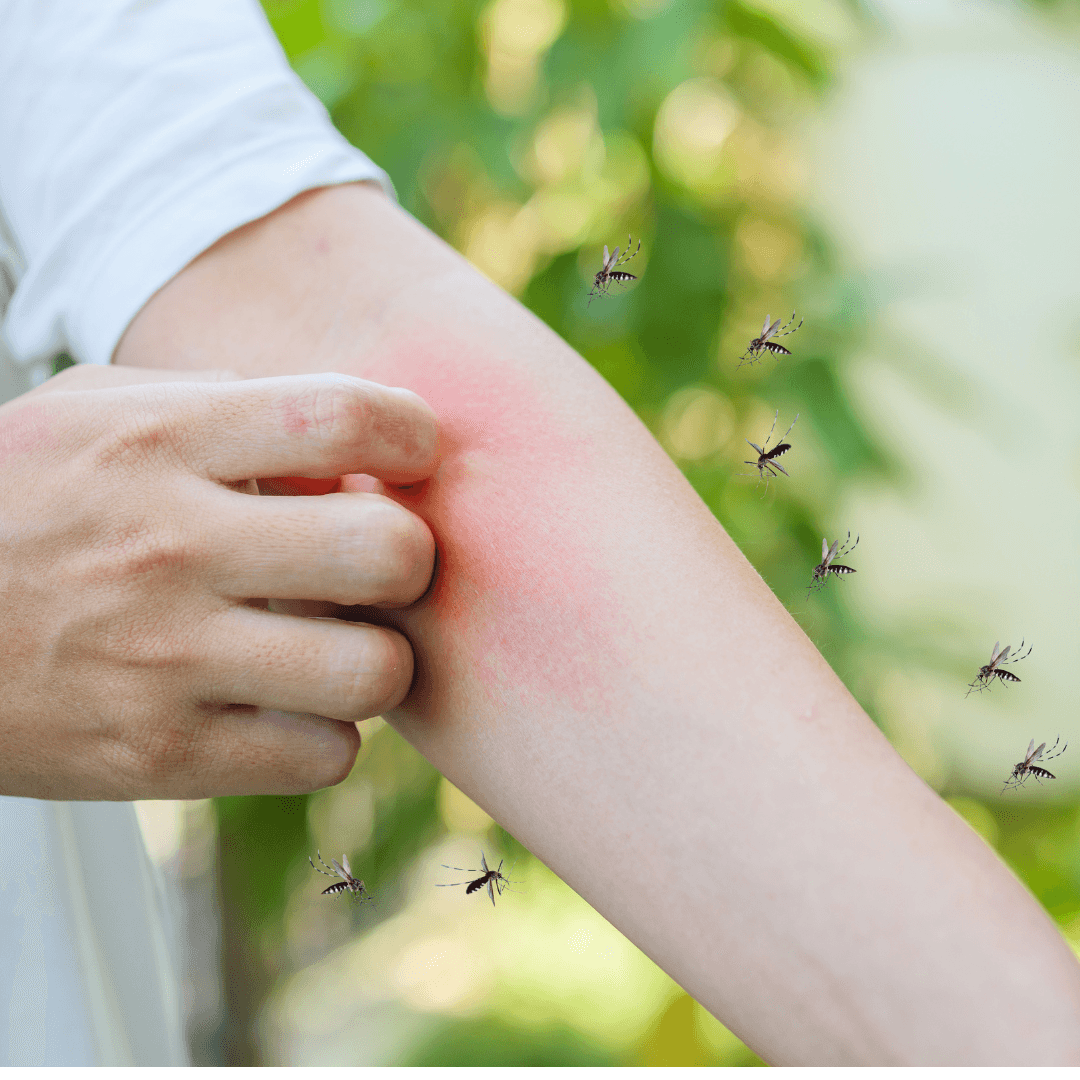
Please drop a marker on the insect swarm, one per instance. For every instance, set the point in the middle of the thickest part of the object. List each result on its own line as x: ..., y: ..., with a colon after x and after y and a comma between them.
x: 766, y: 463
x: 996, y: 670
x: 827, y: 566
x: 608, y: 272
x: 342, y: 870
x: 765, y: 342
x: 493, y: 879
x: 1023, y: 769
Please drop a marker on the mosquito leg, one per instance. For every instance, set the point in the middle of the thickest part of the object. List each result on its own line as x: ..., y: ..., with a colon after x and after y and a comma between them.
x: 1051, y: 752
x: 317, y: 870
x: 776, y: 416
x: 788, y: 432
x: 328, y: 871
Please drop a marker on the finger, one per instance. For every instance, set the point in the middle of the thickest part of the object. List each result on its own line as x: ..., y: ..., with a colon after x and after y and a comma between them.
x: 346, y: 549
x: 299, y: 425
x: 267, y: 752
x: 345, y: 671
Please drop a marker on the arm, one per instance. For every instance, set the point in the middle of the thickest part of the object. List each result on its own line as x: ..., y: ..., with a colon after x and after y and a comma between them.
x: 600, y: 668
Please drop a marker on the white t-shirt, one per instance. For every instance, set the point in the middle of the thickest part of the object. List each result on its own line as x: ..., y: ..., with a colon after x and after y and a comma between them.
x: 133, y: 135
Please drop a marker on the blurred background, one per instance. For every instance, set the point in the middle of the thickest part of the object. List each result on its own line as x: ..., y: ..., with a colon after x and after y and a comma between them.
x: 901, y: 175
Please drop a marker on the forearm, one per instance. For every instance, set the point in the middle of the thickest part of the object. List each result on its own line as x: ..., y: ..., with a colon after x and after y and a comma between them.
x: 600, y: 668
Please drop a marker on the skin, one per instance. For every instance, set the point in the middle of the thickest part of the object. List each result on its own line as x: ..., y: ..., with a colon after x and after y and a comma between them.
x: 133, y: 658
x: 599, y: 668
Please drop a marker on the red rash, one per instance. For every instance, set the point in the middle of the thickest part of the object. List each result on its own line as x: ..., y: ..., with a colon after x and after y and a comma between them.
x: 520, y: 589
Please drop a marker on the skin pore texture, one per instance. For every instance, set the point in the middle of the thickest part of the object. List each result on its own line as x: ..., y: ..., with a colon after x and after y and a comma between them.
x: 599, y: 667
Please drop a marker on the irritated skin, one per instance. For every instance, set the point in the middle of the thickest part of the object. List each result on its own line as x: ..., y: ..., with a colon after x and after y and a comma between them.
x: 600, y: 669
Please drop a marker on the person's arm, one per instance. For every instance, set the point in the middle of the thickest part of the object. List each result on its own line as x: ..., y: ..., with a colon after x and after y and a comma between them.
x: 600, y: 668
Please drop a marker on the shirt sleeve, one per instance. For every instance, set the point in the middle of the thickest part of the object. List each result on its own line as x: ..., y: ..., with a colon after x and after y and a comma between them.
x: 133, y: 135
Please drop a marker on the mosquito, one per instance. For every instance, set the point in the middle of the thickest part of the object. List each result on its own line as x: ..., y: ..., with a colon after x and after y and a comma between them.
x: 827, y: 566
x: 764, y: 343
x: 608, y: 272
x: 996, y: 670
x: 493, y: 879
x: 342, y: 870
x: 1023, y: 769
x: 766, y: 464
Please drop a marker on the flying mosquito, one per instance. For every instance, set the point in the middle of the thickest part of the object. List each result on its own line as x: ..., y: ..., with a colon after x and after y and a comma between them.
x: 765, y: 343
x: 493, y: 879
x: 342, y: 870
x: 995, y: 669
x: 827, y: 566
x: 766, y: 464
x: 1023, y: 769
x: 608, y: 272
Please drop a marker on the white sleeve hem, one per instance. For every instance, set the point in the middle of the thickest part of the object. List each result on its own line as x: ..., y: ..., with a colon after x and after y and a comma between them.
x: 168, y: 235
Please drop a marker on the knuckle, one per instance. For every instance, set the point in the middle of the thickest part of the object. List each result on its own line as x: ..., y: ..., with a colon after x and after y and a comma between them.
x: 412, y: 426
x: 337, y: 408
x: 404, y: 553
x: 131, y: 440
x: 146, y: 552
x: 381, y: 678
x: 337, y: 760
x: 158, y: 760
x: 295, y: 774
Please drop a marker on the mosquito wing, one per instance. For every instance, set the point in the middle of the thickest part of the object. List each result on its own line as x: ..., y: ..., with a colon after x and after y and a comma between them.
x: 825, y: 549
x: 770, y: 330
x: 491, y: 892
x: 831, y: 553
x: 765, y: 328
x: 1037, y: 754
x: 483, y: 863
x: 997, y: 653
x: 342, y: 872
x: 345, y: 864
x: 756, y: 447
x: 607, y: 260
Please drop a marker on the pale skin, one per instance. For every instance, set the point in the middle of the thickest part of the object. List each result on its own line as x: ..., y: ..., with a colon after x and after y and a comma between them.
x: 134, y: 540
x: 599, y: 668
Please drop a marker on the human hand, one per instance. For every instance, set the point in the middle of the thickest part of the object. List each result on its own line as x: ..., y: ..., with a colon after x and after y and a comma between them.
x: 136, y: 662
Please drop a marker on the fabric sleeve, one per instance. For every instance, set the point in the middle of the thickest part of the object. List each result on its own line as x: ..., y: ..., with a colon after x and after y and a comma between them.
x: 133, y: 135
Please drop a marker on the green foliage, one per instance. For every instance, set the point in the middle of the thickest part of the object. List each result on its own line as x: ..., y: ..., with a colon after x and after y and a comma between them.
x: 62, y: 361
x: 1042, y: 845
x: 252, y: 833
x: 489, y: 1043
x: 745, y: 22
